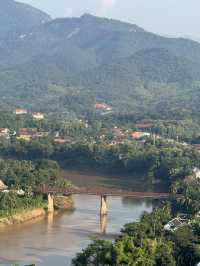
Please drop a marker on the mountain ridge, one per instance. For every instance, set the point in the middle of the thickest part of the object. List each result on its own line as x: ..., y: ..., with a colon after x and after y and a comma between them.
x: 70, y: 63
x: 17, y: 18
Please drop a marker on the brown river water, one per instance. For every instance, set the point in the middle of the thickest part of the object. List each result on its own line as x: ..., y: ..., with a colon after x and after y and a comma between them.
x: 55, y: 240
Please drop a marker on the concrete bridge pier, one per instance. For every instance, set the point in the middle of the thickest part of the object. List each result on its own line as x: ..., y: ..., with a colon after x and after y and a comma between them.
x: 50, y: 203
x: 104, y: 206
x: 103, y: 223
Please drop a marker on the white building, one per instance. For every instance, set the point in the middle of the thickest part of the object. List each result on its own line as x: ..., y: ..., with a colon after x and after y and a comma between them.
x: 38, y: 116
x: 5, y: 133
x: 175, y: 224
x: 196, y: 172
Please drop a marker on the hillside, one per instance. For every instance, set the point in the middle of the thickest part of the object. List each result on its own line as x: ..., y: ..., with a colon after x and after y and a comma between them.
x: 152, y: 81
x: 17, y: 18
x: 70, y: 63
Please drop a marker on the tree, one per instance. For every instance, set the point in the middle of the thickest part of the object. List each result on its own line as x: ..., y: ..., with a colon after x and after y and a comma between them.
x: 99, y: 253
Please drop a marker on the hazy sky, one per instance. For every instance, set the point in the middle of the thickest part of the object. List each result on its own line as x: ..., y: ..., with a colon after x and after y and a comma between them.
x: 170, y: 17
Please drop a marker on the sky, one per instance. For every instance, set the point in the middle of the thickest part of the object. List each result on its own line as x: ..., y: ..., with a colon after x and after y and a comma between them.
x: 167, y: 17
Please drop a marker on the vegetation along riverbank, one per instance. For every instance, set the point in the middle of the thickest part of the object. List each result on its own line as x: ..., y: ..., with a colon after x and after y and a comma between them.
x: 20, y: 181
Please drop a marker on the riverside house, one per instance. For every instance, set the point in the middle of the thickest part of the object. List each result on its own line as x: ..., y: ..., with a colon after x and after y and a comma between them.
x: 175, y: 224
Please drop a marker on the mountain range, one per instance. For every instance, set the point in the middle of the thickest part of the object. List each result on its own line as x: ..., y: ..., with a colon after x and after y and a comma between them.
x: 71, y: 63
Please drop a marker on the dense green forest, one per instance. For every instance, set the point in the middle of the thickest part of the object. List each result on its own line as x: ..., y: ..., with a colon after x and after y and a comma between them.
x: 164, y: 161
x: 69, y: 64
x: 31, y: 175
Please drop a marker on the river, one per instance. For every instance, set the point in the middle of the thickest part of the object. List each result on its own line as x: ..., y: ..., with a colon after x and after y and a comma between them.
x: 56, y: 239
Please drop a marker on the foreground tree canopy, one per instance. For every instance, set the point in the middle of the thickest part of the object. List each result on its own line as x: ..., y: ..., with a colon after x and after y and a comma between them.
x: 145, y: 243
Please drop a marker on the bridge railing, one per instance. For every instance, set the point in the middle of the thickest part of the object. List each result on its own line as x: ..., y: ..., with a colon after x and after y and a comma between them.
x: 99, y: 191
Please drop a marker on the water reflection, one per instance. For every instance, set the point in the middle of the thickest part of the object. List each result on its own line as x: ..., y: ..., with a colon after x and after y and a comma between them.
x: 117, y: 181
x: 50, y: 218
x: 137, y: 202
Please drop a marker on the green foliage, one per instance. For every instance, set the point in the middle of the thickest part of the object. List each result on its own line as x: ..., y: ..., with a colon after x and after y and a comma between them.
x: 98, y: 253
x: 151, y: 225
x: 190, y: 200
x: 136, y: 246
x: 11, y: 203
x: 183, y: 130
x: 146, y: 243
x: 27, y: 174
x: 164, y: 161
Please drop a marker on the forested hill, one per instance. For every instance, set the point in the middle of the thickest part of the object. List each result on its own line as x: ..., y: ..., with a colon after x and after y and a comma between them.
x: 18, y: 17
x: 71, y: 63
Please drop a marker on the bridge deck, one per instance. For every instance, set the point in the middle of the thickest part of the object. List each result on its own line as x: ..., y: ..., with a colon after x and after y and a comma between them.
x: 105, y: 192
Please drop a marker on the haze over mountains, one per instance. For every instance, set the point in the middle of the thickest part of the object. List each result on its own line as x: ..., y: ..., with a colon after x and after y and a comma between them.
x: 17, y: 17
x: 70, y: 63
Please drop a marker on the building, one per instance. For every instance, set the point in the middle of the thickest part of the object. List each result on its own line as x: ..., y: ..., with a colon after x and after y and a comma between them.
x: 138, y: 135
x: 196, y: 172
x: 2, y: 186
x: 197, y: 147
x: 62, y: 141
x: 5, y: 133
x: 39, y: 135
x: 26, y: 134
x: 38, y: 116
x: 144, y: 125
x: 175, y: 224
x: 102, y: 107
x: 20, y: 111
x: 25, y: 137
x: 20, y: 192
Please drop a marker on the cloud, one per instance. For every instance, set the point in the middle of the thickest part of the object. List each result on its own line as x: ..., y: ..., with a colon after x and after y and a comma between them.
x: 105, y: 5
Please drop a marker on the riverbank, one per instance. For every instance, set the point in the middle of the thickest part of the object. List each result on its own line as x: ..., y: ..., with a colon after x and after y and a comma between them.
x: 61, y: 203
x: 22, y: 217
x: 55, y: 239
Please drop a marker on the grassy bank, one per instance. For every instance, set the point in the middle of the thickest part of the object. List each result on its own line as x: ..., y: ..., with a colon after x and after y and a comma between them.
x: 22, y: 217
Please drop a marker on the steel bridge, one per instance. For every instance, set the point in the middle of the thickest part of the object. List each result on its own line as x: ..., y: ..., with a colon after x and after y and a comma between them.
x: 102, y: 191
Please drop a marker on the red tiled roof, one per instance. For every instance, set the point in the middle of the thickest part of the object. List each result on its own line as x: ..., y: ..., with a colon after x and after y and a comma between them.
x: 144, y: 125
x: 196, y: 146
